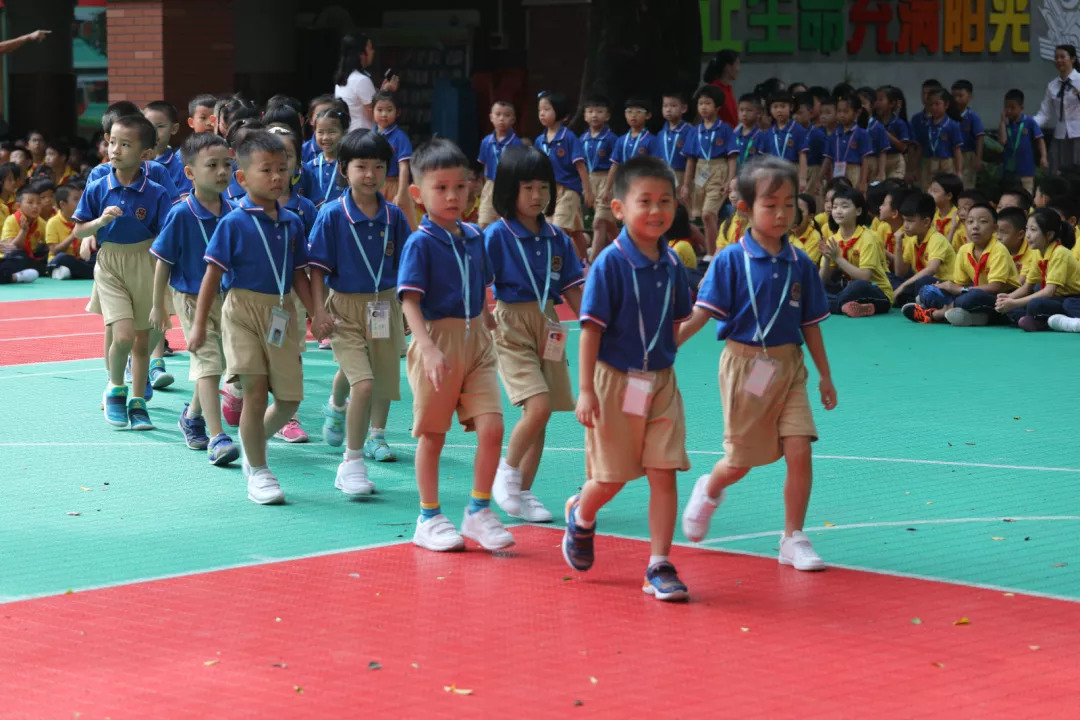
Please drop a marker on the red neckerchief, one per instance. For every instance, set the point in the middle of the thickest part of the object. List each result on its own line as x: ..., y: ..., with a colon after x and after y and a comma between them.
x: 944, y: 222
x: 979, y: 265
x: 27, y: 246
x: 1018, y: 258
x: 846, y: 246
x: 920, y: 256
x: 1043, y: 263
x: 890, y: 242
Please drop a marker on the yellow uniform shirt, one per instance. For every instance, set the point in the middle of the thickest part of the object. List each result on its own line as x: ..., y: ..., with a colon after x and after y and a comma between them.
x: 1076, y: 247
x: 959, y: 238
x: 822, y: 220
x: 34, y: 237
x: 880, y: 227
x: 57, y: 231
x: 731, y: 231
x: 945, y: 223
x: 1022, y: 257
x: 1055, y: 266
x: 994, y: 264
x: 810, y: 243
x: 935, y: 247
x: 866, y: 251
x: 7, y: 207
x: 685, y: 251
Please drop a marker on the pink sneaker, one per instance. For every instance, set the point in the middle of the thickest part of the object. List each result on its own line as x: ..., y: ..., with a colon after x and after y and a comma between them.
x: 324, y: 344
x: 292, y: 433
x: 231, y: 407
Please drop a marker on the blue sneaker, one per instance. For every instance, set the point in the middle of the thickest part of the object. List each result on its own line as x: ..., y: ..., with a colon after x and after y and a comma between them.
x: 663, y: 583
x: 137, y: 414
x: 222, y: 451
x: 375, y: 448
x: 333, y: 426
x: 158, y: 376
x: 577, y: 544
x: 149, y: 391
x: 194, y: 430
x: 115, y: 405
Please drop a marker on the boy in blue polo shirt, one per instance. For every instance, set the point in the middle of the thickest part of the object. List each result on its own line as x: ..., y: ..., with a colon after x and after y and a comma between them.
x: 769, y: 300
x: 356, y: 243
x: 1019, y: 136
x: 179, y: 250
x: 568, y: 159
x: 971, y: 129
x: 502, y: 136
x: 635, y: 296
x: 812, y: 153
x: 442, y: 281
x: 939, y: 144
x: 164, y: 118
x: 710, y: 162
x: 672, y: 138
x: 637, y: 142
x: 848, y: 147
x: 153, y: 170
x: 598, y: 143
x: 124, y: 210
x: 261, y: 246
x: 385, y: 109
x: 786, y: 138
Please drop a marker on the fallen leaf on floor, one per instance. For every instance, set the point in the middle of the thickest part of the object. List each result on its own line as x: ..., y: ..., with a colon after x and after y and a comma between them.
x: 593, y: 680
x: 70, y: 592
x: 298, y: 689
x: 1010, y: 520
x: 86, y: 489
x: 208, y: 663
x: 972, y: 444
x: 1059, y: 564
x: 745, y: 629
x: 374, y: 665
x: 415, y: 666
x: 277, y: 619
x: 1016, y: 417
x: 962, y: 621
x: 1033, y: 647
x: 829, y: 524
x: 279, y: 665
x: 74, y: 514
x: 930, y: 503
x: 567, y: 578
x: 995, y: 537
x: 440, y: 577
x: 354, y: 575
x: 579, y: 703
x: 916, y: 621
x: 1010, y: 594
x: 456, y: 690
x: 938, y: 664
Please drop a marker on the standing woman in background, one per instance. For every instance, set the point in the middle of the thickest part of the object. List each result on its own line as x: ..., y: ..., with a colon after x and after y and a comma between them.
x: 722, y: 72
x: 352, y: 82
x: 1061, y: 110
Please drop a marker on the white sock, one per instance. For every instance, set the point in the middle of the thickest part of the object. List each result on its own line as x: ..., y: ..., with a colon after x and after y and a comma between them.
x: 235, y: 390
x: 351, y: 454
x: 503, y: 465
x: 654, y: 559
x: 335, y: 407
x: 582, y: 523
x: 377, y: 432
x: 25, y: 276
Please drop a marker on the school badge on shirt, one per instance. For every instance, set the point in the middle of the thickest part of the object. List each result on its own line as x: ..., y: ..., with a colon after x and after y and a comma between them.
x: 140, y: 214
x: 796, y: 294
x: 556, y: 263
x: 560, y: 152
x: 389, y: 248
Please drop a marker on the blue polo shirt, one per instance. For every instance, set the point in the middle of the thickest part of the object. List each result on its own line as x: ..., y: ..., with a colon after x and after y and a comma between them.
x: 747, y: 146
x: 237, y: 248
x: 670, y: 143
x: 507, y: 240
x: 848, y: 146
x: 711, y: 143
x: 334, y: 248
x: 153, y: 170
x: 235, y: 191
x: 309, y: 150
x: 402, y: 148
x: 174, y: 164
x: 918, y: 123
x: 939, y: 139
x: 564, y: 151
x: 322, y: 180
x: 184, y: 239
x: 879, y: 138
x: 627, y: 147
x: 814, y: 146
x: 971, y: 129
x: 785, y: 142
x: 304, y: 209
x: 725, y: 293
x: 433, y: 263
x: 491, y: 150
x: 598, y: 149
x: 896, y: 126
x: 1018, y: 156
x: 144, y: 202
x: 609, y: 302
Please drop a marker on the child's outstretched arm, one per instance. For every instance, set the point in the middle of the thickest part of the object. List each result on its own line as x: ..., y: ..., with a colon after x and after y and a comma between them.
x: 816, y: 345
x: 572, y: 296
x: 685, y: 331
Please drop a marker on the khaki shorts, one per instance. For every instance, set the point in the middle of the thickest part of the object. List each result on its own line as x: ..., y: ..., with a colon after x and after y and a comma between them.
x: 469, y: 387
x: 124, y: 284
x: 929, y: 168
x: 852, y: 172
x: 301, y: 320
x: 245, y: 322
x: 895, y: 166
x: 602, y: 211
x: 969, y: 170
x: 209, y: 360
x: 709, y: 199
x: 359, y: 357
x: 621, y: 447
x: 813, y: 185
x: 519, y: 345
x: 754, y: 427
x: 567, y: 215
x: 486, y: 214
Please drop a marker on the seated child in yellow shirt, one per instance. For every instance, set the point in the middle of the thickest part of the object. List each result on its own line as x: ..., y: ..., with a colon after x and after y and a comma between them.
x: 1051, y: 283
x: 804, y: 235
x: 853, y: 267
x: 923, y: 255
x: 23, y: 234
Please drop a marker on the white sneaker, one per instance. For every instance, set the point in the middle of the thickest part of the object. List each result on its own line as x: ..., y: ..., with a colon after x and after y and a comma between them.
x: 798, y: 552
x: 699, y: 511
x: 964, y: 318
x: 1064, y: 323
x: 60, y: 273
x: 263, y: 487
x: 28, y: 275
x: 437, y: 534
x: 352, y: 478
x: 486, y: 529
x: 532, y: 510
x: 506, y: 492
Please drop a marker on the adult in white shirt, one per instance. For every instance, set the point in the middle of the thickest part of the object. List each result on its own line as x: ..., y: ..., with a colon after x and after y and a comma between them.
x: 353, y: 84
x: 1061, y: 110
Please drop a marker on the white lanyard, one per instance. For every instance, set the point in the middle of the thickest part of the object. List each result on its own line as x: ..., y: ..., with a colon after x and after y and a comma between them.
x: 382, y: 256
x: 762, y: 334
x: 463, y: 268
x: 279, y: 277
x: 199, y: 222
x: 781, y: 148
x: 671, y: 143
x: 629, y: 152
x: 597, y: 142
x: 532, y: 279
x: 932, y: 141
x: 712, y: 137
x: 839, y: 136
x: 641, y: 318
x: 333, y: 169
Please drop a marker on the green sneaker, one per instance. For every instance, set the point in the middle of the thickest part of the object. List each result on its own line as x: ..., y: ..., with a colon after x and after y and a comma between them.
x: 375, y: 448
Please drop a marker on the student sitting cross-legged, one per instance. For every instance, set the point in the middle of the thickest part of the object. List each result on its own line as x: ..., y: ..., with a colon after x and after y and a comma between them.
x: 1051, y: 283
x: 923, y: 256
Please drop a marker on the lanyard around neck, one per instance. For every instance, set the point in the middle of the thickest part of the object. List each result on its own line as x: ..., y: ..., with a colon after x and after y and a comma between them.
x: 541, y: 300
x: 279, y: 276
x: 759, y: 333
x: 333, y: 170
x: 463, y: 269
x: 781, y: 148
x: 376, y: 277
x: 648, y: 346
x: 629, y: 152
x: 709, y: 145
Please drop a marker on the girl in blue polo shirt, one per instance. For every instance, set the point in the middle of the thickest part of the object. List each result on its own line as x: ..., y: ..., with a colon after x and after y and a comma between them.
x: 324, y: 182
x: 889, y: 130
x: 397, y: 175
x: 567, y: 157
x: 940, y: 146
x: 534, y: 264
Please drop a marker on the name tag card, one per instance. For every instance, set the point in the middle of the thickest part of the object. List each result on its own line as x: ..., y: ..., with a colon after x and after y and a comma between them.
x: 378, y: 320
x: 701, y: 175
x: 639, y: 388
x: 555, y: 344
x: 839, y: 169
x: 279, y: 324
x: 761, y: 376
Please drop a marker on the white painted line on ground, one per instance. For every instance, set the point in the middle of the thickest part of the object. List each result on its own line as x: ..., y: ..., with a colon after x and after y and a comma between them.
x: 51, y: 337
x: 900, y: 523
x: 48, y: 317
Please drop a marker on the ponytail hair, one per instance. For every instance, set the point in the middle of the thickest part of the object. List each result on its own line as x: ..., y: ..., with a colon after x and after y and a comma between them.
x: 1053, y: 224
x: 352, y: 46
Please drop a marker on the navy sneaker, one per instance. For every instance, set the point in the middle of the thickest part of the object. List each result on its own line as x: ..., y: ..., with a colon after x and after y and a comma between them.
x: 222, y: 451
x: 138, y: 416
x: 194, y: 430
x: 577, y: 544
x: 166, y: 350
x: 158, y: 376
x: 149, y: 391
x: 115, y: 406
x: 663, y: 583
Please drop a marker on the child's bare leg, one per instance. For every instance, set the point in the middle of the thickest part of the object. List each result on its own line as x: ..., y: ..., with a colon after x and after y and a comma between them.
x: 663, y: 508
x: 252, y: 418
x: 140, y: 363
x: 206, y: 402
x: 358, y: 415
x: 119, y: 338
x: 340, y: 389
x: 108, y: 349
x: 428, y: 449
x: 712, y: 229
x: 581, y: 245
x: 530, y: 462
x: 536, y: 411
x: 723, y: 475
x: 798, y: 483
x: 278, y: 414
x: 489, y: 437
x: 380, y: 412
x: 594, y: 495
x: 157, y: 341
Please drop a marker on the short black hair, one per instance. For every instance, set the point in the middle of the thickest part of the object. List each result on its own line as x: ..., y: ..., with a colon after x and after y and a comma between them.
x: 750, y: 98
x: 115, y: 110
x: 680, y: 225
x: 558, y: 101
x: 1014, y: 216
x: 897, y: 193
x: 241, y: 128
x: 27, y: 188
x: 283, y: 115
x: 820, y: 93
x: 364, y: 144
x: 165, y: 108
x: 258, y: 141
x: 282, y: 100
x: 827, y: 101
x: 595, y: 100
x: 436, y: 154
x: 1064, y: 206
x: 638, y: 101
x: 206, y: 100
x: 919, y: 205
x: 1021, y: 194
x: 1015, y: 95
x: 145, y: 129
x: 857, y: 199
x: 521, y: 164
x: 713, y: 93
x: 674, y: 93
x: 781, y: 97
x: 338, y: 111
x: 987, y: 207
x: 505, y: 104
x: 62, y: 148
x: 385, y: 96
x: 851, y: 99
x: 198, y: 142
x: 288, y: 136
x: 963, y: 85
x: 930, y: 83
x: 976, y: 196
x: 44, y: 184
x: 764, y: 167
x: 324, y: 99
x: 811, y: 202
x: 1054, y: 187
x: 803, y: 99
x: 640, y: 166
x: 65, y: 191
x: 951, y: 184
